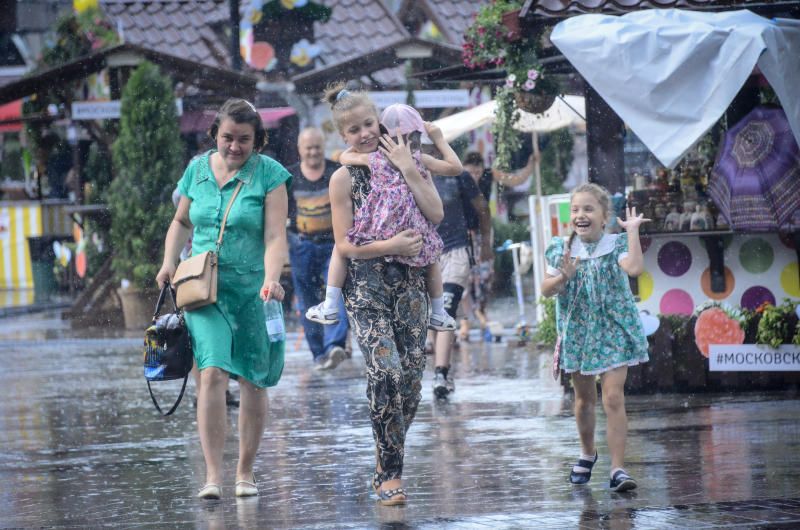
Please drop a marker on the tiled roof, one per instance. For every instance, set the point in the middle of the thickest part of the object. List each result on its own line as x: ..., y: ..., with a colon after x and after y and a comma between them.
x: 565, y: 8
x: 355, y: 28
x: 183, y: 28
x: 190, y: 29
x: 452, y: 17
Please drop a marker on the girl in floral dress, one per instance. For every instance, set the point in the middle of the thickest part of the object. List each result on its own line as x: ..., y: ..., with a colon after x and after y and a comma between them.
x: 390, y: 208
x: 598, y: 322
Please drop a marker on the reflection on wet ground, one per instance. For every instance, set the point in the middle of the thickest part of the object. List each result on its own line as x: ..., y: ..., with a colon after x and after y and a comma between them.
x: 82, y: 446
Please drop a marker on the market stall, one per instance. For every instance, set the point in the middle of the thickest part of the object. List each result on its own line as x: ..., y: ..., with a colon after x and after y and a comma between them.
x: 725, y: 194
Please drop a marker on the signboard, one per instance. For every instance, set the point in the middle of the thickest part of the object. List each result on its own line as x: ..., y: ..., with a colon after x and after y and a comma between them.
x: 96, y: 110
x: 106, y: 110
x: 423, y: 99
x: 753, y: 358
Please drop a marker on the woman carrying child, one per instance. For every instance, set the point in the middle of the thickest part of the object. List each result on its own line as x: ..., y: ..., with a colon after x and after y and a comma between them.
x: 598, y: 322
x: 389, y: 208
x: 386, y: 300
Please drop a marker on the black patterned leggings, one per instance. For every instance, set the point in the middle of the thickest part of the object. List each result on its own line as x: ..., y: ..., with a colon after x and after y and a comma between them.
x: 388, y: 310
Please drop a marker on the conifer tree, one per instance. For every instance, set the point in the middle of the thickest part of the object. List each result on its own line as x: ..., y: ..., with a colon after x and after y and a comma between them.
x: 147, y: 158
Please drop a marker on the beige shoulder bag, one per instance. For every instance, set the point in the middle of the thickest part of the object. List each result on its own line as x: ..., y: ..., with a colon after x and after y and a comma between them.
x: 195, y: 279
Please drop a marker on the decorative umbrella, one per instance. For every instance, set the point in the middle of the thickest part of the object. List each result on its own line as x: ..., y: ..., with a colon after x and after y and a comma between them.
x: 756, y: 179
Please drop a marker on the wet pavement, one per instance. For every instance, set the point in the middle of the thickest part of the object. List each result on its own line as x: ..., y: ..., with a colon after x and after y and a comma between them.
x: 81, y: 446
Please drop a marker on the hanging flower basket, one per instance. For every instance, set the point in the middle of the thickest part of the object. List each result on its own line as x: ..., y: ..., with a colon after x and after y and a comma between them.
x: 510, y: 20
x: 535, y: 103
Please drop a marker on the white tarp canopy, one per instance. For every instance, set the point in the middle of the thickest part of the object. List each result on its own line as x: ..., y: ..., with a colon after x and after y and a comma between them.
x: 671, y: 74
x: 566, y: 112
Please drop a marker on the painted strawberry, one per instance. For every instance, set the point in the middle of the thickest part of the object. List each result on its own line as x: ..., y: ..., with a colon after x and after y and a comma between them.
x: 716, y: 326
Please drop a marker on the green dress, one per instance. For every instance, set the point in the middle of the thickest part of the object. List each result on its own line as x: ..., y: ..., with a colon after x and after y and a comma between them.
x: 231, y: 334
x: 604, y: 330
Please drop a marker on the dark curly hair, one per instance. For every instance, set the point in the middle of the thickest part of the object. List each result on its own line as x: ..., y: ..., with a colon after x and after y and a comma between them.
x: 240, y: 111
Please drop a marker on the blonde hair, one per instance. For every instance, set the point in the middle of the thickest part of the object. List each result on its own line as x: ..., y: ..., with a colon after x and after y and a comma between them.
x: 598, y: 192
x: 342, y: 100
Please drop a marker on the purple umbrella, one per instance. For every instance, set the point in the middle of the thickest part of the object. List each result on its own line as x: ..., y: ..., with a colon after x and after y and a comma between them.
x: 756, y: 179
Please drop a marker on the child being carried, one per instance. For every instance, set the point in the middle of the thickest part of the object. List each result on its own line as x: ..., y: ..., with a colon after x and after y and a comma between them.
x: 390, y: 209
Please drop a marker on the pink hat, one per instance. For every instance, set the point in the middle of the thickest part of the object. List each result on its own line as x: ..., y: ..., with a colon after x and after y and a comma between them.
x: 400, y: 119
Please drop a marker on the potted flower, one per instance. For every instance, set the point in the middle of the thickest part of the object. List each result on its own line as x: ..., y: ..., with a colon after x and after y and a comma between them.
x: 493, y: 42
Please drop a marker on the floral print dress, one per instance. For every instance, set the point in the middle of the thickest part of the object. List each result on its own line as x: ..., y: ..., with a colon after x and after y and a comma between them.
x: 604, y: 330
x: 390, y: 208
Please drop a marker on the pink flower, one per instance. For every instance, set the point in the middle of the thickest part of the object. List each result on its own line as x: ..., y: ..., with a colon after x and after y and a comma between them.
x: 481, y: 30
x: 530, y: 84
x: 509, y: 83
x: 533, y: 74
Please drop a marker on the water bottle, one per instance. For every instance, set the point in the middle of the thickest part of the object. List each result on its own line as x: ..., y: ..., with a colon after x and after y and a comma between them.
x: 273, y: 316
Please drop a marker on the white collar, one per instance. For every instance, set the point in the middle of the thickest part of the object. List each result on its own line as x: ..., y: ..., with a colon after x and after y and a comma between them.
x: 604, y: 246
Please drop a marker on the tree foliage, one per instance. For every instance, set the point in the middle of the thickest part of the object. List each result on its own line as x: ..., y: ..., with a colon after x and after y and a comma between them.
x: 556, y: 161
x: 147, y: 159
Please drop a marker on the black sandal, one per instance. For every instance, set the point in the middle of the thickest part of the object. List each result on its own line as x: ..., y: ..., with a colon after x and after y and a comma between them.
x: 582, y: 477
x: 621, y: 481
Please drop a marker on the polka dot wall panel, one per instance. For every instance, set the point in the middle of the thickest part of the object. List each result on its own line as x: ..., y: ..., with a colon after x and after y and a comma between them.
x: 677, y: 278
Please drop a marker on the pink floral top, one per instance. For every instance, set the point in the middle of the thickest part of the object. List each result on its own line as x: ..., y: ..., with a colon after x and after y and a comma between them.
x: 390, y: 208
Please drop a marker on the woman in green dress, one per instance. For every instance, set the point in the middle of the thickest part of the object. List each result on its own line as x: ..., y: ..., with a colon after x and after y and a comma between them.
x: 229, y: 337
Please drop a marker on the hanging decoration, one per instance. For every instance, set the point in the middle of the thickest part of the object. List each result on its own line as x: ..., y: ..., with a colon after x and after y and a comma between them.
x: 252, y: 16
x: 82, y: 5
x: 303, y: 52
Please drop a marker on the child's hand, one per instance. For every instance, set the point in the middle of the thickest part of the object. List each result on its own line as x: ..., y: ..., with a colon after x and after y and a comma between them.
x: 633, y: 221
x: 399, y: 154
x: 569, y: 266
x: 434, y: 132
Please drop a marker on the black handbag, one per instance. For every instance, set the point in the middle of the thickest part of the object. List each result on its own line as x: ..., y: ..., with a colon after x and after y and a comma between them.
x: 167, y: 348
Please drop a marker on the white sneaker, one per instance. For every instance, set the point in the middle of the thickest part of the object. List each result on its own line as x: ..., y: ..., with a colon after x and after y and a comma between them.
x: 440, y: 386
x: 318, y: 314
x: 443, y: 322
x: 335, y: 357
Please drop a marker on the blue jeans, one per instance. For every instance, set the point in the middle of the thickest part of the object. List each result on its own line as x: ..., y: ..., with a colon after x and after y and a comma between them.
x: 309, y: 261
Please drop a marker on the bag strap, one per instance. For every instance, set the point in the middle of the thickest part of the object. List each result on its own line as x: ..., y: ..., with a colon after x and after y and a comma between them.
x: 175, y: 406
x: 161, y: 296
x: 227, y: 211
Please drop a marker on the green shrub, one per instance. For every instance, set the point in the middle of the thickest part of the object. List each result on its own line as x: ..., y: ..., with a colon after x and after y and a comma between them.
x: 778, y: 324
x: 546, y: 333
x: 147, y: 162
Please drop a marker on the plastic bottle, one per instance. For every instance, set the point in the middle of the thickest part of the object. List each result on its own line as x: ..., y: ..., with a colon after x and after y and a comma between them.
x: 273, y: 316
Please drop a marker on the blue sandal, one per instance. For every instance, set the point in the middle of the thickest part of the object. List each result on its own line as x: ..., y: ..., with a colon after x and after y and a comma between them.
x: 621, y: 481
x: 582, y: 477
x: 387, y: 497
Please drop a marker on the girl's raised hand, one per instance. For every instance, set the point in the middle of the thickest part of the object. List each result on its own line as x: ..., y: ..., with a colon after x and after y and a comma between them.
x: 398, y: 153
x: 633, y: 221
x: 569, y: 266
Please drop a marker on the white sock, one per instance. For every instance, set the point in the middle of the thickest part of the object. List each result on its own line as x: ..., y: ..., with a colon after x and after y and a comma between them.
x: 332, y: 296
x: 581, y: 469
x: 437, y: 305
